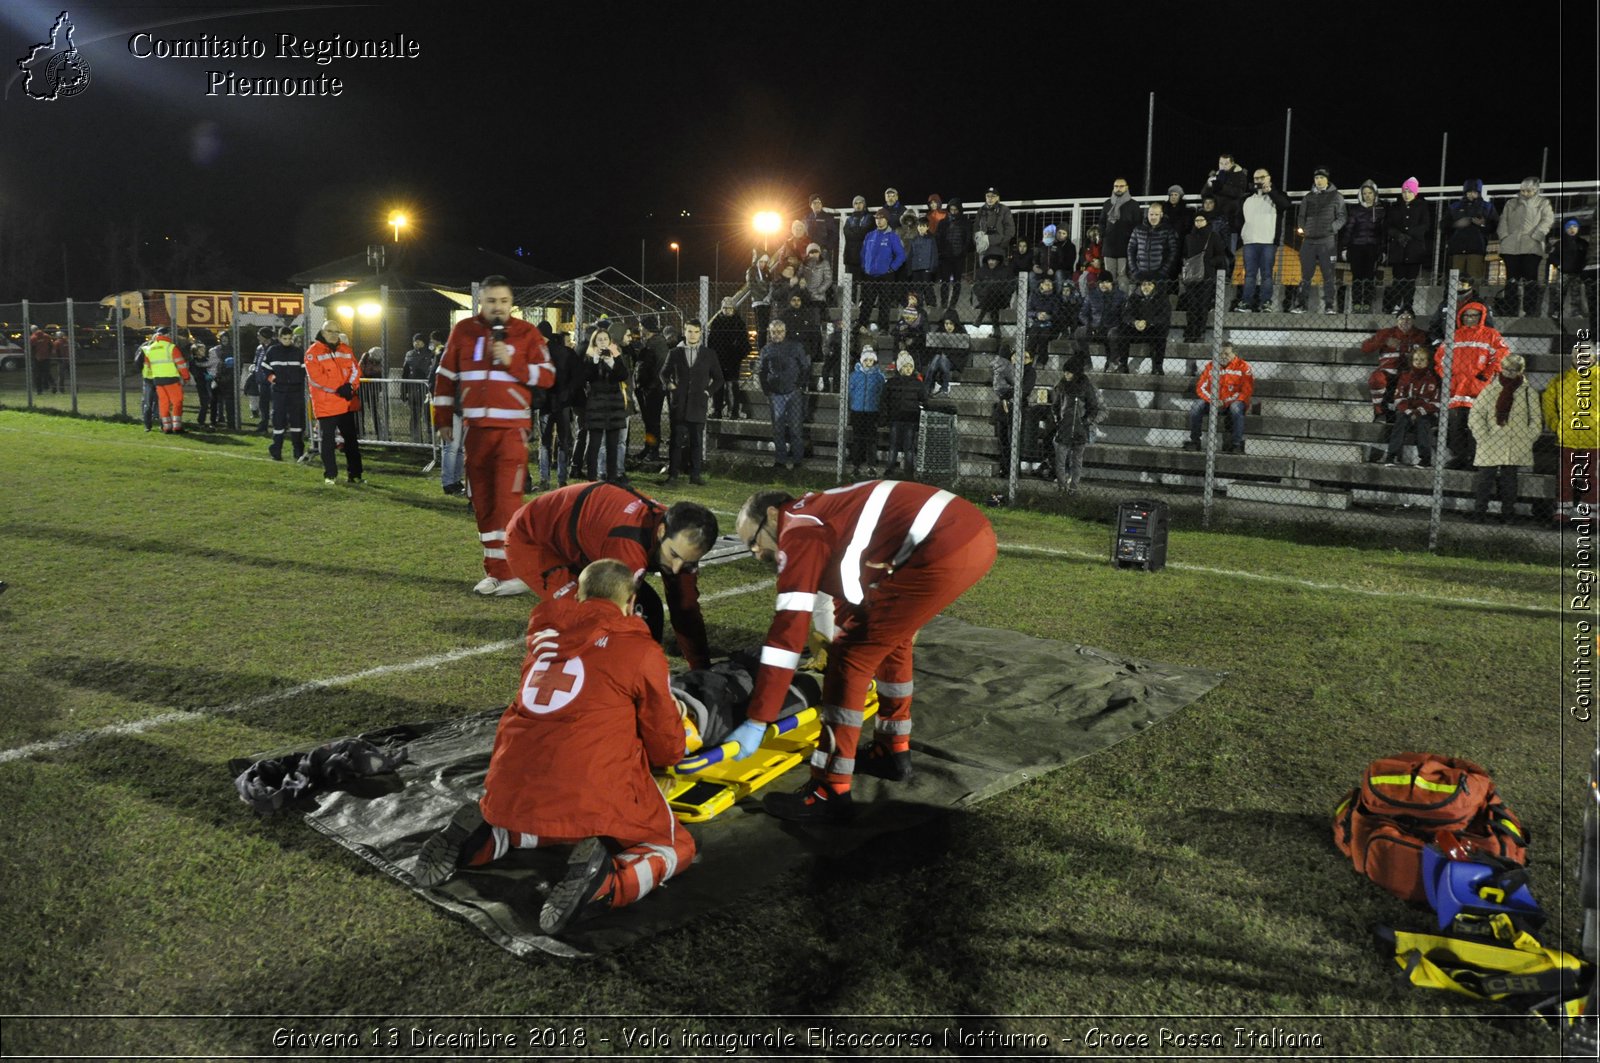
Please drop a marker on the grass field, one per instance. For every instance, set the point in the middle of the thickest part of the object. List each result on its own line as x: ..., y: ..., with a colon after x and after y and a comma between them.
x: 1186, y: 873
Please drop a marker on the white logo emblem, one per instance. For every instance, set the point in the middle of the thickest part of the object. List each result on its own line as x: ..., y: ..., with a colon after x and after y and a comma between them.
x: 546, y: 690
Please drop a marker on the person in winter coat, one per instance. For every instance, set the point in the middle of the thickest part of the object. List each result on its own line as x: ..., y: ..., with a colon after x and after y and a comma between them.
x: 1047, y: 318
x: 902, y: 407
x: 994, y: 228
x: 1409, y: 223
x: 729, y: 338
x: 646, y: 364
x: 605, y: 409
x: 955, y: 248
x: 866, y: 395
x: 334, y: 378
x: 1153, y: 248
x: 1023, y: 259
x: 882, y: 255
x: 949, y: 358
x: 822, y: 229
x: 992, y: 288
x: 1118, y: 216
x: 1146, y: 317
x: 906, y: 229
x: 1005, y: 392
x: 689, y: 377
x: 286, y: 374
x: 1228, y: 185
x: 1232, y: 382
x: 922, y: 259
x: 1416, y: 409
x: 857, y: 224
x: 1205, y: 251
x: 816, y: 273
x: 1470, y: 221
x: 910, y: 327
x: 572, y: 758
x: 1091, y: 260
x: 1265, y: 212
x: 782, y: 371
x: 1179, y: 214
x: 1078, y: 409
x: 1101, y: 312
x: 759, y: 279
x: 1361, y: 243
x: 1505, y: 423
x: 556, y: 429
x: 1322, y: 217
x: 40, y: 350
x: 415, y: 370
x: 1570, y: 256
x: 1478, y: 352
x: 1392, y: 346
x: 1524, y: 224
x: 1569, y: 410
x: 1058, y: 257
x: 1442, y: 321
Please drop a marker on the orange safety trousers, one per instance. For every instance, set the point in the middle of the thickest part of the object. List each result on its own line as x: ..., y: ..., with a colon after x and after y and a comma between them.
x: 881, y: 649
x: 170, y: 400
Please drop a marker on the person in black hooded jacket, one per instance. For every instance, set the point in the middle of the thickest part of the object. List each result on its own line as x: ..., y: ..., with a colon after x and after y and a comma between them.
x: 1409, y: 223
x: 1205, y: 251
x: 954, y: 240
x: 1472, y: 220
x: 555, y: 431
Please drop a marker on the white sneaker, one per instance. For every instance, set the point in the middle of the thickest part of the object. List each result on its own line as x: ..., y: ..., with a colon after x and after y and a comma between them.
x: 486, y: 585
x: 508, y: 587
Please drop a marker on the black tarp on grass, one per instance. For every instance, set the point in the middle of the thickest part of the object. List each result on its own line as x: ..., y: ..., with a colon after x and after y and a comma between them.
x: 993, y: 709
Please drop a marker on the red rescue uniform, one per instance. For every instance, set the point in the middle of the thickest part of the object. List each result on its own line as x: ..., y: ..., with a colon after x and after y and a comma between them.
x: 326, y: 369
x: 1475, y: 360
x: 552, y: 538
x: 494, y: 402
x: 573, y: 752
x: 893, y: 554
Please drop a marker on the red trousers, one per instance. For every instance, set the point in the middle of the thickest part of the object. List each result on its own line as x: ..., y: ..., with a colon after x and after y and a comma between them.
x: 546, y: 573
x: 879, y: 647
x: 497, y: 467
x: 640, y: 867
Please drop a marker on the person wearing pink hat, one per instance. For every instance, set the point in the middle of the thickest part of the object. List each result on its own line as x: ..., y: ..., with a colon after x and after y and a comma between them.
x: 1410, y: 224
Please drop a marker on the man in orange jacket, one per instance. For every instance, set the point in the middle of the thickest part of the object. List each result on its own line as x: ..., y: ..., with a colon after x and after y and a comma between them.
x: 491, y: 364
x: 572, y: 759
x: 334, y: 377
x: 1475, y: 361
x: 1233, y: 393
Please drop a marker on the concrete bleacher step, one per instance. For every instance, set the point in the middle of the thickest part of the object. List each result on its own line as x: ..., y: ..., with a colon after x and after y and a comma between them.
x: 1320, y: 498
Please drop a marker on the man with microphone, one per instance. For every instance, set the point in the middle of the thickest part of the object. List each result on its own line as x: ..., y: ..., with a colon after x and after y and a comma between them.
x: 491, y: 363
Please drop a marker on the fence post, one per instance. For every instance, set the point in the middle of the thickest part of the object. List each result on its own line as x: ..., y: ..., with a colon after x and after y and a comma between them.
x: 845, y: 333
x: 705, y: 302
x: 27, y: 358
x: 577, y: 310
x: 72, y: 357
x: 234, y: 418
x: 122, y: 357
x: 1437, y: 505
x: 1018, y: 393
x: 1219, y: 303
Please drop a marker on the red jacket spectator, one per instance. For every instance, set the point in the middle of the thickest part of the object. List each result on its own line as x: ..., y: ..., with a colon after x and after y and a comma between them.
x: 1238, y: 382
x: 1393, y: 344
x: 326, y: 369
x: 1418, y: 392
x: 1479, y: 350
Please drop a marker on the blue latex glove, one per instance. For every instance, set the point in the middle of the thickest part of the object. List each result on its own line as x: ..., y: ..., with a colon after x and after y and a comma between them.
x: 748, y: 735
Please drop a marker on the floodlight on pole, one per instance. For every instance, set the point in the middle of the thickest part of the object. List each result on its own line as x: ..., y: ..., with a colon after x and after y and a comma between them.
x: 767, y: 223
x: 677, y: 262
x: 399, y: 221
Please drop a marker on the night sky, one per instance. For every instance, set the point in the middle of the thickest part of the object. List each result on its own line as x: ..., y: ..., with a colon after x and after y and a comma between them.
x: 572, y: 131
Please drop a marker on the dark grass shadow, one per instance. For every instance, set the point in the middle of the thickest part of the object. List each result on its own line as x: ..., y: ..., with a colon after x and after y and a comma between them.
x: 435, y: 503
x: 134, y: 545
x: 1540, y: 582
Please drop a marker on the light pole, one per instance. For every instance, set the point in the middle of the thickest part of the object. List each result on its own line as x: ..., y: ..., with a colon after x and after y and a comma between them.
x: 677, y: 262
x: 398, y: 220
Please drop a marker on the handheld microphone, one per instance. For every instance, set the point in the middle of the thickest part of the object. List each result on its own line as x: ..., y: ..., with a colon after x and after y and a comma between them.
x: 498, y: 332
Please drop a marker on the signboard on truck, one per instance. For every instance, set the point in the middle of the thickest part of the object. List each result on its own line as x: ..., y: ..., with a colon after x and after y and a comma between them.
x: 192, y: 309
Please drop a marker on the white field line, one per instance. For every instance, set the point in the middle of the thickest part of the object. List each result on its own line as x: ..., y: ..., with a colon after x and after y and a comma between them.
x: 134, y: 727
x: 170, y: 448
x: 1414, y: 596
